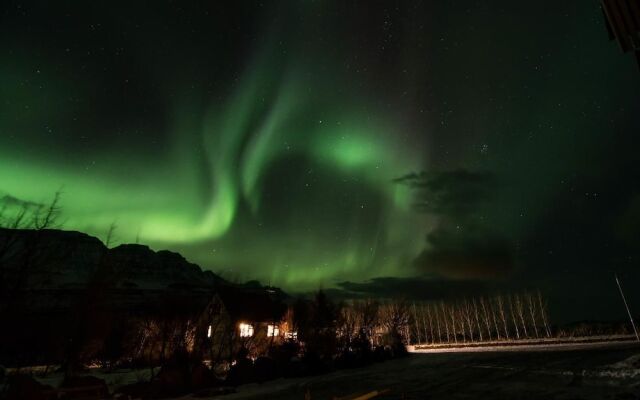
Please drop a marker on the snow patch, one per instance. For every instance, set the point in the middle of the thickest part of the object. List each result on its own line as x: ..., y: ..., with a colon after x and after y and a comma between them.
x: 629, y: 368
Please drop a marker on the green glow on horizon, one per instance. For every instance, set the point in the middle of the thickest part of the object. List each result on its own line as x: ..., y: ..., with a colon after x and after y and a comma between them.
x: 206, y: 196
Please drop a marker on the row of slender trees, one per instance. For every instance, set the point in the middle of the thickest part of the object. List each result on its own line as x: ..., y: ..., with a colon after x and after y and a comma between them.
x: 487, y: 318
x: 501, y: 317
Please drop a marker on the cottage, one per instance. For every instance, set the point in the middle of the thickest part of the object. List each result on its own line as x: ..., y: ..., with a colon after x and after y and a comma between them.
x: 243, y: 319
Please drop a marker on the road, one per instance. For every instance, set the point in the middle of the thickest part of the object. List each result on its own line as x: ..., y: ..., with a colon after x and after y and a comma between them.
x: 607, y: 371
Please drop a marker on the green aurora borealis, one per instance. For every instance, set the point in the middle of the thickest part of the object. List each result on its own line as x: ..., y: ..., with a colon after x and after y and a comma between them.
x: 265, y: 140
x: 282, y: 178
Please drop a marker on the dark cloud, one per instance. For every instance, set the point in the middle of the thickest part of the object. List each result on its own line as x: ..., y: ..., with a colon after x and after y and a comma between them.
x: 412, y: 288
x: 453, y: 255
x: 463, y: 245
x: 453, y: 193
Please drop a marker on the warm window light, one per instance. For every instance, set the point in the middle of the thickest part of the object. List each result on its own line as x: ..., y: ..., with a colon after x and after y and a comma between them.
x: 273, y: 330
x: 209, y: 331
x: 291, y: 335
x: 246, y: 330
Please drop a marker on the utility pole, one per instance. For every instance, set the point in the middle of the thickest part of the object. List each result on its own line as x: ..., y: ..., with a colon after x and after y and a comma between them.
x: 633, y: 324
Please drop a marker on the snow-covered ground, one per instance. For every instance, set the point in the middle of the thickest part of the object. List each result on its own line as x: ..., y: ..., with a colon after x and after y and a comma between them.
x: 603, y: 371
x: 113, y: 379
x: 550, y: 344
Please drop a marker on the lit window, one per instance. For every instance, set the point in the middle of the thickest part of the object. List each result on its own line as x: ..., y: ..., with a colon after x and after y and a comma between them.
x: 273, y: 330
x: 209, y: 331
x: 291, y: 335
x: 246, y: 330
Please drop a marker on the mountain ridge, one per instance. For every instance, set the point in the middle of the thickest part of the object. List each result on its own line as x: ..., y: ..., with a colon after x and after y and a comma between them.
x: 55, y: 259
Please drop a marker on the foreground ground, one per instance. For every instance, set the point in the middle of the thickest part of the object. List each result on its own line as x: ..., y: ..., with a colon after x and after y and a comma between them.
x: 605, y: 371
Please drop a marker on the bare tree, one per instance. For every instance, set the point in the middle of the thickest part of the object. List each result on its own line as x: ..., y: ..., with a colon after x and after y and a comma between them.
x: 349, y: 323
x: 495, y: 319
x: 477, y: 318
x: 519, y: 303
x: 47, y: 217
x: 15, y: 222
x: 513, y: 316
x: 467, y: 313
x: 532, y: 312
x: 485, y: 317
x: 415, y: 323
x: 37, y: 217
x: 542, y: 306
x: 110, y: 234
x: 458, y: 313
x: 482, y: 318
x: 429, y: 318
x: 502, y: 315
x: 437, y: 318
x: 395, y: 317
x: 370, y: 311
x: 445, y: 319
x: 8, y: 240
x: 452, y: 315
x: 422, y: 324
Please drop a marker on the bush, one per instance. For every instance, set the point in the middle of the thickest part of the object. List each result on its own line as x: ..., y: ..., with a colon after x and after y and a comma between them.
x: 382, y: 353
x: 242, y: 372
x: 202, y: 377
x: 283, y: 355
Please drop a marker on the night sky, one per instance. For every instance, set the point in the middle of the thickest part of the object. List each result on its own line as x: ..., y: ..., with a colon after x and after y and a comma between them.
x: 399, y: 148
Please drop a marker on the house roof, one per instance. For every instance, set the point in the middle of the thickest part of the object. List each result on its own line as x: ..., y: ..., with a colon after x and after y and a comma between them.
x: 249, y: 304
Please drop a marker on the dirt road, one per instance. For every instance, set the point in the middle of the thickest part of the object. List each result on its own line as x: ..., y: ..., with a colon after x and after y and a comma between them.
x: 607, y: 371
